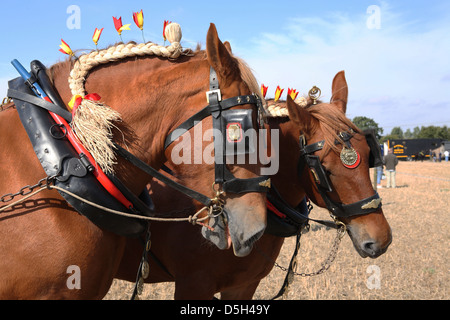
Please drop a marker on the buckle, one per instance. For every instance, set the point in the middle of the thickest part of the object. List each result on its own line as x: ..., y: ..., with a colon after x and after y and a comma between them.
x: 218, y: 92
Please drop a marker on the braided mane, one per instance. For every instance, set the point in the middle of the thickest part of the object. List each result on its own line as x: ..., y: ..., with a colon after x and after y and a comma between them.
x: 93, y: 121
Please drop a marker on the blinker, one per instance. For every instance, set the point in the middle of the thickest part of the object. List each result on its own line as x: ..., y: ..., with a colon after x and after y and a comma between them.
x: 240, y: 135
x: 375, y: 157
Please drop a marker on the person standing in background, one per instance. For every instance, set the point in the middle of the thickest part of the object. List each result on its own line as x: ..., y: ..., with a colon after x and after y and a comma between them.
x: 379, y: 176
x: 390, y: 161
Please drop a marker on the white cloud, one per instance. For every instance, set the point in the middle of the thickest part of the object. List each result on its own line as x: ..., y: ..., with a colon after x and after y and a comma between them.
x: 388, y: 70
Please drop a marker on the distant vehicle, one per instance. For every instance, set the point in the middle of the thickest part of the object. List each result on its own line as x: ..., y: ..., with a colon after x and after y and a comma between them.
x: 414, y: 149
x: 446, y: 145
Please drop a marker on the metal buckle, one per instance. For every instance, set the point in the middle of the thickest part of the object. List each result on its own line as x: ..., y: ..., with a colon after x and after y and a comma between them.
x: 217, y: 91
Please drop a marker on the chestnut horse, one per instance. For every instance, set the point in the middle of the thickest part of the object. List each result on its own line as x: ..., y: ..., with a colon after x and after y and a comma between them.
x: 200, y: 270
x: 43, y: 241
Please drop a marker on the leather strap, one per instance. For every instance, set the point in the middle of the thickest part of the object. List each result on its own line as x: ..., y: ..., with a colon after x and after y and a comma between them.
x: 323, y: 186
x: 154, y: 173
x: 213, y: 80
x: 25, y: 97
x: 238, y: 186
x: 206, y: 112
x: 293, y: 213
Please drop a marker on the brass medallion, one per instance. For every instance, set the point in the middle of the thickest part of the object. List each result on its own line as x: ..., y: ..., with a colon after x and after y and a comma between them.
x: 350, y: 158
x: 234, y: 133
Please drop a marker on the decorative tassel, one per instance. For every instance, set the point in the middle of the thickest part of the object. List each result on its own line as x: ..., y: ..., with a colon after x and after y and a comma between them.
x: 92, y: 123
x: 173, y: 32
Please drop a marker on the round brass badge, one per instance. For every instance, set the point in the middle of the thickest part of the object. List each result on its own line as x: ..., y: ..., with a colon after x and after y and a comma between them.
x: 350, y: 158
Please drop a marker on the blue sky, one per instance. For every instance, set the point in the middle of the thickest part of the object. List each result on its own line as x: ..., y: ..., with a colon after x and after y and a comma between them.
x: 397, y: 66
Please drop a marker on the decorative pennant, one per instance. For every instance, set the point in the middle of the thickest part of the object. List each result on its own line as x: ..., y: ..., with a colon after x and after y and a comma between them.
x: 96, y: 36
x: 278, y: 93
x: 293, y: 93
x: 264, y: 90
x: 65, y: 48
x: 166, y: 23
x: 138, y: 18
x: 120, y: 27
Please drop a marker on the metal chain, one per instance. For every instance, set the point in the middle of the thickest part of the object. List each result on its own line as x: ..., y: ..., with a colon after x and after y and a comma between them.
x: 328, y: 261
x: 6, y: 101
x: 43, y: 183
x: 144, y: 268
x: 214, y: 210
x: 292, y: 270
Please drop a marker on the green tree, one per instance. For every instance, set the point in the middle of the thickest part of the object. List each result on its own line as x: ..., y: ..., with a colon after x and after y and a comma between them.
x: 444, y: 133
x: 397, y: 132
x: 365, y: 123
x: 428, y: 132
x: 408, y: 134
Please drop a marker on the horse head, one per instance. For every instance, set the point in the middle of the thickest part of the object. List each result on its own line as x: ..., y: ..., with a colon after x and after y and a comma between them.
x: 332, y: 158
x: 204, y: 150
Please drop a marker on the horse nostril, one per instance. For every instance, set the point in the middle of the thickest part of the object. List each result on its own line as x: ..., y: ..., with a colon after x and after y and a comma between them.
x: 371, y: 248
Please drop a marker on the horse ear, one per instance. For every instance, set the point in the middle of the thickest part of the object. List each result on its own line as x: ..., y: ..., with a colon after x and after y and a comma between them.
x: 299, y: 115
x: 340, y: 91
x: 228, y: 46
x: 218, y: 55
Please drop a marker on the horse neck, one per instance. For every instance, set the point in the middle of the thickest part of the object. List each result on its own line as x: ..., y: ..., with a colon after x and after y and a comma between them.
x: 287, y: 180
x: 152, y: 95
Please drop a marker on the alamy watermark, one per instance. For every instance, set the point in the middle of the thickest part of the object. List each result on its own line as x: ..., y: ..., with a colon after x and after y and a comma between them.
x: 74, y: 280
x: 374, y: 20
x: 374, y: 280
x: 74, y: 19
x: 245, y: 149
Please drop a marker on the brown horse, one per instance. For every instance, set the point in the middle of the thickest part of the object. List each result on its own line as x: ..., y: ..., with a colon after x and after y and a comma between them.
x: 43, y: 241
x: 201, y: 270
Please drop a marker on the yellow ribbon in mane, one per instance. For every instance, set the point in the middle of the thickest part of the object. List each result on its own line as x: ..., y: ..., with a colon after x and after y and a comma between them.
x: 77, y: 99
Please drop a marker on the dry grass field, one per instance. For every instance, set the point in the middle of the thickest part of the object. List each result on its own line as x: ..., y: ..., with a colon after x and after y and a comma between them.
x: 415, y: 267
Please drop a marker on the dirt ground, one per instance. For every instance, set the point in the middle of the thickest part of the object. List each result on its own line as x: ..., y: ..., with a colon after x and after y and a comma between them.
x: 415, y: 267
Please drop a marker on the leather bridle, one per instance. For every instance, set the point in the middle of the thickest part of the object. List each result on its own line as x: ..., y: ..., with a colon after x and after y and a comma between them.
x: 220, y: 111
x: 339, y: 210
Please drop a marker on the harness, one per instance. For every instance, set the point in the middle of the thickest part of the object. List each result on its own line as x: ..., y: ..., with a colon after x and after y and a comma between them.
x: 229, y: 127
x: 286, y: 221
x: 71, y: 166
x: 351, y: 158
